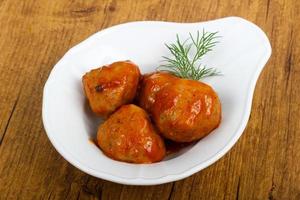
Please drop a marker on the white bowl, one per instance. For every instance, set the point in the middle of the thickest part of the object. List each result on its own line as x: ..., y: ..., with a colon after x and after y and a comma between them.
x: 241, y: 55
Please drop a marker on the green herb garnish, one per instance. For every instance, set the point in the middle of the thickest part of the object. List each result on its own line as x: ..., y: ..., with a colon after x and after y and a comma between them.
x: 184, y: 65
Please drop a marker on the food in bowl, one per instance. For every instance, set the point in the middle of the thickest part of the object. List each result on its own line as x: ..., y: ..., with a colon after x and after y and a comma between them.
x: 183, y: 110
x: 174, y: 105
x: 128, y: 135
x: 109, y: 87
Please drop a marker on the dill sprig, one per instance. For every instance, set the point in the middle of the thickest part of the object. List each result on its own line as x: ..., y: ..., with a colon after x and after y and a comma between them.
x: 184, y: 65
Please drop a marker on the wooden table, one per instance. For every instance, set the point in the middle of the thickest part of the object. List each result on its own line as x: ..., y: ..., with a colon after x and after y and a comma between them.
x: 35, y: 34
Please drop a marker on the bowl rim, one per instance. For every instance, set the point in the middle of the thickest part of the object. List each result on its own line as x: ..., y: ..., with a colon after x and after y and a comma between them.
x: 170, y: 177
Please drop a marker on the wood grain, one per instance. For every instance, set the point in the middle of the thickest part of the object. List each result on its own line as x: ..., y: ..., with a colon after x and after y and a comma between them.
x: 35, y: 34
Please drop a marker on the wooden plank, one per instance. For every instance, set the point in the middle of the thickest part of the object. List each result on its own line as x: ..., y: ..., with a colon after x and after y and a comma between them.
x: 264, y: 164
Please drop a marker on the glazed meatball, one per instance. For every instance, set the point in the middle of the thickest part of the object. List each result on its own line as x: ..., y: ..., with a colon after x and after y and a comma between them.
x: 109, y: 87
x: 150, y: 85
x: 186, y: 110
x: 128, y: 135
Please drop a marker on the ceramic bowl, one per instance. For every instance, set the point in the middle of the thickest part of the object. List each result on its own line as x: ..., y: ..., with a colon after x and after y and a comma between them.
x: 241, y: 55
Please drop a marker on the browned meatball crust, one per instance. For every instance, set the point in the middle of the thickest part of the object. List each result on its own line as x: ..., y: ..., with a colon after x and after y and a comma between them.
x: 150, y: 85
x: 128, y: 135
x: 183, y: 110
x: 109, y: 87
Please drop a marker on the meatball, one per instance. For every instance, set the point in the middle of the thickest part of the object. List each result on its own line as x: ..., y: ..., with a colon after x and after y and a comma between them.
x: 109, y: 87
x: 186, y: 110
x: 128, y: 135
x: 150, y: 85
